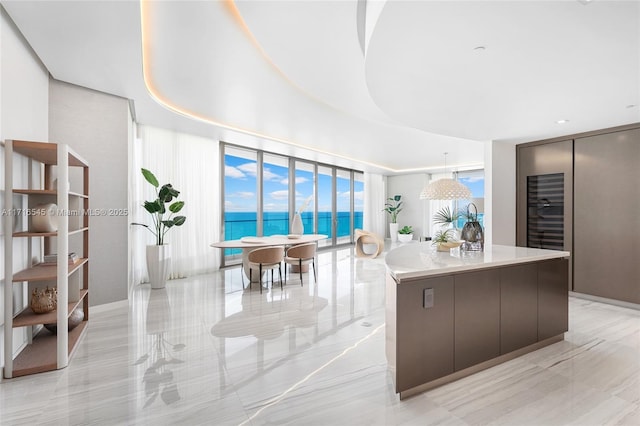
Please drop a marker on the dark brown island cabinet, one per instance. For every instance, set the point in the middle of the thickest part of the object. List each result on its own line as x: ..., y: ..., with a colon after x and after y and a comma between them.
x: 449, y: 315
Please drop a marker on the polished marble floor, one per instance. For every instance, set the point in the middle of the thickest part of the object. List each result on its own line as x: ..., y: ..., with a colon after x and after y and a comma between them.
x: 205, y: 351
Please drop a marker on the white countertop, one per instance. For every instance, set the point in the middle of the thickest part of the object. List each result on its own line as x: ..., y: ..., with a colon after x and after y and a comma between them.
x: 422, y: 259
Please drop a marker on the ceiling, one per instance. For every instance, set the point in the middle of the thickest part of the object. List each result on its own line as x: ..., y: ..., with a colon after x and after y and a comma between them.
x: 291, y: 76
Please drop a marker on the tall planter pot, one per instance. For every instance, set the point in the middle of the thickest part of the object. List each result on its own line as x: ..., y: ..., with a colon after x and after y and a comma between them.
x: 393, y: 232
x: 158, y: 264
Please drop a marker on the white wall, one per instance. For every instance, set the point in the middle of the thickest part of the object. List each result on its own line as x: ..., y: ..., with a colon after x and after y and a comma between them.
x: 415, y: 211
x: 97, y: 126
x: 500, y: 193
x: 23, y: 115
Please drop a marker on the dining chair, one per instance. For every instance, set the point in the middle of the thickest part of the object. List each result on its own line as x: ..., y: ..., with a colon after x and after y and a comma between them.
x: 299, y: 255
x: 265, y: 258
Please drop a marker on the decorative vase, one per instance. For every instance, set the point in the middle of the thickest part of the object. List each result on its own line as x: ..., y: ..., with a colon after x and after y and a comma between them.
x: 296, y: 225
x: 44, y: 301
x: 393, y: 232
x: 73, y: 321
x: 45, y: 218
x: 158, y: 264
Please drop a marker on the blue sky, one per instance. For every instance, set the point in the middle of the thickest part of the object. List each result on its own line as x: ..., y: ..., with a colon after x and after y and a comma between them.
x: 240, y: 188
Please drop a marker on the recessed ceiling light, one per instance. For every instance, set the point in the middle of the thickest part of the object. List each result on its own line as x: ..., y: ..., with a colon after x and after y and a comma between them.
x: 585, y: 2
x: 631, y: 106
x: 562, y: 121
x: 479, y: 48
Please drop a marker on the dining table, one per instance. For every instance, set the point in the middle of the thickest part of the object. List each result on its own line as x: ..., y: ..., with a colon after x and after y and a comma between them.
x: 250, y: 243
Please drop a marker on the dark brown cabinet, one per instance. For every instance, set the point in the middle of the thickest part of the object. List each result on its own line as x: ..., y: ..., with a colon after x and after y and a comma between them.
x: 519, y: 307
x: 553, y: 309
x: 477, y: 317
x: 471, y: 320
x: 601, y: 176
x: 427, y: 334
x: 607, y: 225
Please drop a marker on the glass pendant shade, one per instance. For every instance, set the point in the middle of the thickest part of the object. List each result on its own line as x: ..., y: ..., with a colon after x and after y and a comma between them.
x: 445, y: 189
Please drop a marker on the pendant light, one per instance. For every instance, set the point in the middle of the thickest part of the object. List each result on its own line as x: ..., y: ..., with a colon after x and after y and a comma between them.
x: 445, y: 189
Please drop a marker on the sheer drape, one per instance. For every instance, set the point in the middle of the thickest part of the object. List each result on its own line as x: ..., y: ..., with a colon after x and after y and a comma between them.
x: 192, y: 165
x: 374, y: 198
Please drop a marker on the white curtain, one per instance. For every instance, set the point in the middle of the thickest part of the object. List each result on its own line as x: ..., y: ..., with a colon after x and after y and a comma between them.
x: 192, y: 165
x: 373, y: 219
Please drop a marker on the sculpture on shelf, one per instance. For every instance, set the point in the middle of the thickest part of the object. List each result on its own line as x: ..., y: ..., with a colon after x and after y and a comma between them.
x: 44, y: 301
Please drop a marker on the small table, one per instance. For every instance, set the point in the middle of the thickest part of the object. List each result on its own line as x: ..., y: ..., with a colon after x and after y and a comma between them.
x: 249, y: 243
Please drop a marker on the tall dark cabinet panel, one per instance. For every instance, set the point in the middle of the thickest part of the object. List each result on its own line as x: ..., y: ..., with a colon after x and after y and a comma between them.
x: 606, y: 215
x: 544, y: 192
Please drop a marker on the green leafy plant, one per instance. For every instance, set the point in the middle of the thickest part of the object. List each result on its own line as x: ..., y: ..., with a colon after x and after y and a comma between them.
x: 445, y: 216
x: 405, y: 230
x: 393, y: 206
x: 441, y: 237
x: 157, y: 208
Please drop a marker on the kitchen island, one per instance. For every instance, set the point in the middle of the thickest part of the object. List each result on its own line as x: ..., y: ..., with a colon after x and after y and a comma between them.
x: 451, y: 314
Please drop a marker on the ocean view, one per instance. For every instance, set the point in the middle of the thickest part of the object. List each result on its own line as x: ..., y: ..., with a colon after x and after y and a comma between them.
x: 244, y: 224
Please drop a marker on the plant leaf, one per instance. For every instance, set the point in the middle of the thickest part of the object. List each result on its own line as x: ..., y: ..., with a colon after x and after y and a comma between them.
x: 176, y: 207
x: 168, y: 223
x: 179, y: 220
x: 153, y: 207
x: 167, y: 193
x: 150, y: 177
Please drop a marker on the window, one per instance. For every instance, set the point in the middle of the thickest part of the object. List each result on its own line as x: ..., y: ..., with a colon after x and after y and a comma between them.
x: 240, y: 202
x: 474, y: 180
x: 262, y: 191
x: 275, y: 195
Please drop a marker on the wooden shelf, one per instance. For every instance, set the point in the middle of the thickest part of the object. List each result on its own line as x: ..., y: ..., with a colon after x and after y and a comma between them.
x: 35, y: 234
x: 27, y: 317
x: 47, y: 234
x: 40, y: 356
x: 51, y: 192
x: 46, y: 351
x: 46, y: 153
x: 77, y: 231
x: 41, y: 272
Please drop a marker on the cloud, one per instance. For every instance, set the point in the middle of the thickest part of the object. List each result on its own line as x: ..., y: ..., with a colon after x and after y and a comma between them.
x: 280, y: 195
x: 474, y: 179
x: 249, y: 168
x: 232, y: 172
x: 358, y: 195
x: 242, y: 194
x: 298, y: 180
x: 252, y: 170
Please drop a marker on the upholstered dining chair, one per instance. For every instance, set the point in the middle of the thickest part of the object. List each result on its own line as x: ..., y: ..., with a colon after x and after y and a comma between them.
x: 299, y: 255
x: 264, y: 259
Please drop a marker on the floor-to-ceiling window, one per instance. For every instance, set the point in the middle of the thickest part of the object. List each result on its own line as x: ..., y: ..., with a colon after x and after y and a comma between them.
x: 262, y: 191
x: 474, y: 180
x: 275, y: 195
x: 326, y: 197
x: 358, y: 199
x: 304, y: 187
x: 344, y: 206
x: 240, y: 195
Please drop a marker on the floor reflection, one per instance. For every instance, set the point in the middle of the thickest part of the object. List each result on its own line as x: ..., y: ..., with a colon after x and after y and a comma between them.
x: 158, y: 379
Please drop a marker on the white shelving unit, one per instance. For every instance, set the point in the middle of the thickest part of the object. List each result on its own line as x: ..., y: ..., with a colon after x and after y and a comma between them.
x: 46, y: 351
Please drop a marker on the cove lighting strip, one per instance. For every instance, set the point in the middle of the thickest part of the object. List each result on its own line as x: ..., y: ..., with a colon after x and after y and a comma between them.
x: 156, y: 94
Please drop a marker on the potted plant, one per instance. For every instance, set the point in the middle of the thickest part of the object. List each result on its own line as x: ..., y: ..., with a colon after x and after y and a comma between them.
x: 393, y: 206
x: 159, y: 255
x: 444, y: 241
x: 405, y: 234
x: 447, y: 218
